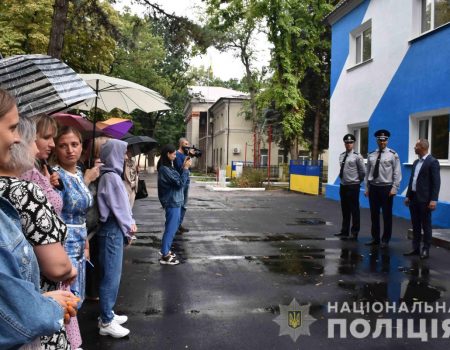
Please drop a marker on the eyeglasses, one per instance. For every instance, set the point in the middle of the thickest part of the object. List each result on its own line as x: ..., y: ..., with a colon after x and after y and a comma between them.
x: 349, y: 142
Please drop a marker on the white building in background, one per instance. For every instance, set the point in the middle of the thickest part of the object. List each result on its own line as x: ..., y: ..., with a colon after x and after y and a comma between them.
x: 391, y: 70
x: 215, y: 123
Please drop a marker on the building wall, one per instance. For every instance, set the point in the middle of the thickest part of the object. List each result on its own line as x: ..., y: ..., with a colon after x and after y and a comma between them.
x: 240, y: 135
x: 409, y: 75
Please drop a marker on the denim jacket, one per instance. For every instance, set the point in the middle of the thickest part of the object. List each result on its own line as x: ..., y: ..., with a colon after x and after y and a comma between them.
x: 170, y: 186
x: 24, y: 313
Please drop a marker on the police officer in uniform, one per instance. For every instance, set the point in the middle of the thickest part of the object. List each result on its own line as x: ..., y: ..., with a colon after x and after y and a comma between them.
x: 352, y: 172
x: 382, y: 182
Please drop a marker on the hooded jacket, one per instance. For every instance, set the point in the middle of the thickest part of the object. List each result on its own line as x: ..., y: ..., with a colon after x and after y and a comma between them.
x: 112, y: 197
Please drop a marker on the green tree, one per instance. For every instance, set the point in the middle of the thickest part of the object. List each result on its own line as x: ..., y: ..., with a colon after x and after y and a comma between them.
x: 296, y: 30
x: 91, y: 35
x: 24, y: 26
x: 236, y: 24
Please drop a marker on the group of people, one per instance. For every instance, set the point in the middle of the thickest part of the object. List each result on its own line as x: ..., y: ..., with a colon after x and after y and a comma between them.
x: 382, y: 177
x: 45, y: 198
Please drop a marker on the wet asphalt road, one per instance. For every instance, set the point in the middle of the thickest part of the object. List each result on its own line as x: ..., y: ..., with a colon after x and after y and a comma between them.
x: 246, y: 254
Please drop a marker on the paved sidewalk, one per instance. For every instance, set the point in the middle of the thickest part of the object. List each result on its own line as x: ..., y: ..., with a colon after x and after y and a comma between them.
x: 246, y: 254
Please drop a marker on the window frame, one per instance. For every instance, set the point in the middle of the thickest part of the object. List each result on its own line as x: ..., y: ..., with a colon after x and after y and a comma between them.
x: 356, y: 131
x: 356, y: 35
x: 432, y: 17
x: 416, y: 120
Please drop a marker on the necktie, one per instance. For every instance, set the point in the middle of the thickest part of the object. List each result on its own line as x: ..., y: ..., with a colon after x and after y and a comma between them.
x: 341, y: 172
x: 376, y: 170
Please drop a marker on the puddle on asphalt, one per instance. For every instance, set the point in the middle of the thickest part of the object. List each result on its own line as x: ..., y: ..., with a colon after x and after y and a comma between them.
x: 272, y: 309
x: 407, y: 291
x: 291, y: 263
x: 151, y: 312
x: 142, y: 261
x: 146, y: 243
x: 272, y: 238
x: 307, y: 211
x: 310, y: 222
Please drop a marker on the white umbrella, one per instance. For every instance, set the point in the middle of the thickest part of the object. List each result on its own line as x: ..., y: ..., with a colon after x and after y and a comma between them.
x: 42, y: 84
x: 122, y: 94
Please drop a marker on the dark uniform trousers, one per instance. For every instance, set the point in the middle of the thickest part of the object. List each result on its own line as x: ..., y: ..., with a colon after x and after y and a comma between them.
x: 379, y: 198
x: 350, y: 208
x: 420, y: 218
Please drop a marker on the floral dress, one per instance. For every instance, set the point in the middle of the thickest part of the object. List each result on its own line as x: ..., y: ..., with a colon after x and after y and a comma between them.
x: 76, y: 201
x: 40, y: 225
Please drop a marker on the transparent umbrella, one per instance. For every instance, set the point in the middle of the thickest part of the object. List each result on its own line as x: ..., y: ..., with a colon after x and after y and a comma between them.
x: 42, y: 84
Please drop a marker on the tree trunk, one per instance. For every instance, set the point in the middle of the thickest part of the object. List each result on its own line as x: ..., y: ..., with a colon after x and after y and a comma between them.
x: 315, y: 148
x: 56, y: 44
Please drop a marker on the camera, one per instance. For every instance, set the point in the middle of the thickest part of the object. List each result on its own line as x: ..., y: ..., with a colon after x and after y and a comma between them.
x: 191, y: 151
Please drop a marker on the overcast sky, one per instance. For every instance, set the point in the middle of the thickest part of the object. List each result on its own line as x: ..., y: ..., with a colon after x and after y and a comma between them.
x: 224, y: 65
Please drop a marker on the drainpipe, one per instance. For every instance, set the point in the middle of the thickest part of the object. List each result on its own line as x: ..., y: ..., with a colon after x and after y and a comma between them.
x: 206, y: 142
x: 228, y: 130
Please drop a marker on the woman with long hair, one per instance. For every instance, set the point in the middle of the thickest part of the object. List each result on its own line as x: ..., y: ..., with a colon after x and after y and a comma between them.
x: 76, y: 201
x: 170, y: 193
x: 39, y: 222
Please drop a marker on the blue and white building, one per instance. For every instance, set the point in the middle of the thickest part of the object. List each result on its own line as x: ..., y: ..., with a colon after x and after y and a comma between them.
x: 391, y: 70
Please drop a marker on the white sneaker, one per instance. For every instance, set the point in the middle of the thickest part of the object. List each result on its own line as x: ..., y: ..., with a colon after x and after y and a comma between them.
x: 119, y: 319
x: 113, y: 329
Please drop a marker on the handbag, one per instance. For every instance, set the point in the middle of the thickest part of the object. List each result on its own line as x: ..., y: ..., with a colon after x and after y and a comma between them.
x: 141, y: 189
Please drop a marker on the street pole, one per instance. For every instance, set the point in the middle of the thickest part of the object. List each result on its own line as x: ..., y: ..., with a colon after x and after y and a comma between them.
x: 268, y: 158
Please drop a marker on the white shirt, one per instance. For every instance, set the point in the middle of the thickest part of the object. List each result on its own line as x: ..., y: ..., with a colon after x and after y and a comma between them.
x: 417, y: 170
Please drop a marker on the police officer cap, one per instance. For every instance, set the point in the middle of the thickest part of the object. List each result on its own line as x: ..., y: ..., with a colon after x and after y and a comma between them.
x: 382, y: 134
x: 349, y: 138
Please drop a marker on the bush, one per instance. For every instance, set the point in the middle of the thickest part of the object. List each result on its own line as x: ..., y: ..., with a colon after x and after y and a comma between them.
x: 250, y: 177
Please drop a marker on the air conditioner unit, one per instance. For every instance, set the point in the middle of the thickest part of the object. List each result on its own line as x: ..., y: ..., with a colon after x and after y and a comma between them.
x: 236, y: 150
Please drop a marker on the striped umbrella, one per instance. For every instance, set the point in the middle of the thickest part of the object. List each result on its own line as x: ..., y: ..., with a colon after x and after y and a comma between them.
x: 42, y: 84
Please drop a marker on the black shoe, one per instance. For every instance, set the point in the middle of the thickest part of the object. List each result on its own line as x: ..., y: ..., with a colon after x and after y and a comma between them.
x: 183, y: 229
x: 425, y: 254
x: 372, y: 243
x: 340, y: 234
x: 353, y: 237
x: 384, y: 245
x: 412, y: 253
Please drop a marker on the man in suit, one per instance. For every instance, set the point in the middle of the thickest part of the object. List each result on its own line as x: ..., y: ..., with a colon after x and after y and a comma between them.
x: 422, y: 197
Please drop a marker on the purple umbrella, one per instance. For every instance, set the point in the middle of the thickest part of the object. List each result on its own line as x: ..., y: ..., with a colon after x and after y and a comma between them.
x: 115, y: 127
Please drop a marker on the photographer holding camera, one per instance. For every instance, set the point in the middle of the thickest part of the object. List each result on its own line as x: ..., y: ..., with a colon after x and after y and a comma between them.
x: 184, y: 150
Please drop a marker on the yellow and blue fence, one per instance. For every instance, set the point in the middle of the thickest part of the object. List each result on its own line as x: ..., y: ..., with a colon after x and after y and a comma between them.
x: 306, y: 176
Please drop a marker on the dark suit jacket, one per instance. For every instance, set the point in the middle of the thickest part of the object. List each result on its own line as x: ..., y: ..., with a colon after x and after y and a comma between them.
x: 428, y: 180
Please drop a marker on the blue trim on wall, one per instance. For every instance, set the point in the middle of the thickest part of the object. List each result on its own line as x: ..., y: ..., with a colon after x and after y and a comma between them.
x: 340, y: 40
x: 421, y: 83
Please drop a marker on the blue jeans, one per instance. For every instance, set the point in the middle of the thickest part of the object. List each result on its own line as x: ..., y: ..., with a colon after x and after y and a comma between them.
x: 171, y: 227
x: 186, y: 197
x: 110, y: 255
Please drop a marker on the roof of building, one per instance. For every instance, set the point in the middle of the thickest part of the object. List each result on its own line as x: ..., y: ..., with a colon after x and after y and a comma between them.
x: 210, y: 94
x: 342, y: 8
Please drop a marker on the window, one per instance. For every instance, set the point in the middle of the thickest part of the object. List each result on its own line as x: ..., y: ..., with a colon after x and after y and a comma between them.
x: 362, y: 140
x: 263, y: 161
x: 436, y: 130
x: 435, y: 13
x: 361, y: 44
x: 280, y: 156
